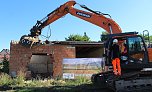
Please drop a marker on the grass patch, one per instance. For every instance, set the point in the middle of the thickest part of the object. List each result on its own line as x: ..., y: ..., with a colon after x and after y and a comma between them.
x: 19, y: 84
x: 78, y: 81
x: 5, y: 79
x: 20, y: 79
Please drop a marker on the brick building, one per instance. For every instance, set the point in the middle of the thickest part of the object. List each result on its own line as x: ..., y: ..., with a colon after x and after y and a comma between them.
x: 4, y: 53
x: 48, y: 58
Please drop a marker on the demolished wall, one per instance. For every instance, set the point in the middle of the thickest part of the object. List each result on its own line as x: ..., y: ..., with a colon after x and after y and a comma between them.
x: 20, y: 56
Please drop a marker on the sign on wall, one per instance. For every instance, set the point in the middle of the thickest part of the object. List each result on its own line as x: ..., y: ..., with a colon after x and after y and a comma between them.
x: 81, y: 67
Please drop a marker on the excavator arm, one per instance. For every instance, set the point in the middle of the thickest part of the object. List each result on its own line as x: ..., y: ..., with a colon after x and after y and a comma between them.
x: 93, y: 17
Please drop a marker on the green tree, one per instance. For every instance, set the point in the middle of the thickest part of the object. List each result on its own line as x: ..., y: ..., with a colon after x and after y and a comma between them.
x: 5, y: 64
x: 78, y: 37
x: 150, y: 38
x: 103, y: 36
x: 146, y: 37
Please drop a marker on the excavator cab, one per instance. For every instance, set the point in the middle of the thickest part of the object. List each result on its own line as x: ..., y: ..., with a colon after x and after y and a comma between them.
x: 132, y: 63
x: 133, y: 51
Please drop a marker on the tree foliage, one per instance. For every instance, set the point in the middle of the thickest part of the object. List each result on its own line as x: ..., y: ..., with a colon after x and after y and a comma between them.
x: 103, y: 37
x: 150, y: 38
x: 5, y: 65
x: 78, y: 37
x: 145, y: 37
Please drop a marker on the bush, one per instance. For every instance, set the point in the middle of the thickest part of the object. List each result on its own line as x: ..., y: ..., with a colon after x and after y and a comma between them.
x: 58, y: 82
x: 5, y: 79
x: 79, y: 81
x: 20, y: 79
x: 37, y: 83
x: 82, y: 80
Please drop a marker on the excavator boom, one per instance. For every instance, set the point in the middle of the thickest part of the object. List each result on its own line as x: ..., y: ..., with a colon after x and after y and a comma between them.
x: 93, y: 17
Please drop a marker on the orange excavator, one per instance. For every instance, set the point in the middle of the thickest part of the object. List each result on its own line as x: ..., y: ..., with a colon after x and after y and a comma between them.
x: 135, y: 64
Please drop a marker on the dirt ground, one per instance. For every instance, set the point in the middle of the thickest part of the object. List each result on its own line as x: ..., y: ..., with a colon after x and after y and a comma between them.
x: 80, y: 88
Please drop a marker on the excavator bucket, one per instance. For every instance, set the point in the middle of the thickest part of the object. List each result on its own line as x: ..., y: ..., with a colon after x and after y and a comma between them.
x: 29, y: 41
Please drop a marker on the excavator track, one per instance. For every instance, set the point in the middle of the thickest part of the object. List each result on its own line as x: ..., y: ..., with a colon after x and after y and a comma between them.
x: 137, y: 81
x: 139, y: 84
x: 132, y: 82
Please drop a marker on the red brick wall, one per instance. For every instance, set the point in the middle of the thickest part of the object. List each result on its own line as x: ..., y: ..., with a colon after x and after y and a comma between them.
x: 20, y: 56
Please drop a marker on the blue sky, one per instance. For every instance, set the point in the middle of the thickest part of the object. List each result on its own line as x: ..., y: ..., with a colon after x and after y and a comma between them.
x: 18, y: 16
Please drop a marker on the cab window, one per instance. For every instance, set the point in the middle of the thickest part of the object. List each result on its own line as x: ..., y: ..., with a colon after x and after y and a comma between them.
x: 136, y: 49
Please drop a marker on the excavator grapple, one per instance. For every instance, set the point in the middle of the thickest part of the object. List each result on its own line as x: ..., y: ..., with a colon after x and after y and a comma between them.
x: 29, y: 41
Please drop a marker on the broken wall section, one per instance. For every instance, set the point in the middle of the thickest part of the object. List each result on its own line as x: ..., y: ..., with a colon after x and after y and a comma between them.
x: 20, y: 56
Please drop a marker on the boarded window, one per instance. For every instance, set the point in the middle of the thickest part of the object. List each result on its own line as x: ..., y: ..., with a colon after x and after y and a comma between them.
x: 40, y: 64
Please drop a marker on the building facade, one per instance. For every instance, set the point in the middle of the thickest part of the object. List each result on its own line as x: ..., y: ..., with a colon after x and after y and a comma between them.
x: 47, y: 59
